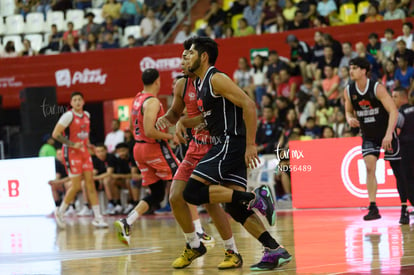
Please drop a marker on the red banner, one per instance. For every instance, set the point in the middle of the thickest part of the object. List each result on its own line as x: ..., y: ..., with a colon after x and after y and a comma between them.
x: 332, y: 173
x: 111, y: 74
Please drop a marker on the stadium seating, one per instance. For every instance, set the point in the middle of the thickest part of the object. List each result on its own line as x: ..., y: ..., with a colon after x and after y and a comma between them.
x: 7, y: 7
x: 227, y: 4
x: 347, y: 13
x: 35, y: 22
x: 235, y: 21
x: 98, y: 19
x: 14, y: 24
x: 200, y: 24
x: 36, y: 41
x: 362, y: 7
x: 2, y: 27
x: 134, y: 30
x: 18, y: 45
x: 77, y: 17
x: 55, y: 17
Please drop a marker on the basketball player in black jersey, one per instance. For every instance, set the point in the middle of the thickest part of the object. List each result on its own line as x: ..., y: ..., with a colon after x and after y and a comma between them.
x: 406, y: 135
x: 221, y: 176
x: 369, y: 106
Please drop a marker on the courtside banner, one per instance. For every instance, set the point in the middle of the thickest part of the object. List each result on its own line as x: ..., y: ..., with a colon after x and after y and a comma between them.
x: 335, y: 175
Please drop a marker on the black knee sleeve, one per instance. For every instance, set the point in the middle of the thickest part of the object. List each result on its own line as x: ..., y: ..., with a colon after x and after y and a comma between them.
x: 238, y: 212
x: 196, y: 192
x: 157, y: 193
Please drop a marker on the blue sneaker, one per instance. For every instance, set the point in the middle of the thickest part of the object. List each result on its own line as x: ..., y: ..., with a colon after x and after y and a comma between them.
x: 265, y: 203
x: 163, y: 211
x: 272, y: 258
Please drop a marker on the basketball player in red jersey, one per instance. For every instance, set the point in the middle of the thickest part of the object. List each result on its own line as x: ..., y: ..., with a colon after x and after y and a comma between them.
x: 185, y: 96
x: 78, y: 161
x: 154, y: 157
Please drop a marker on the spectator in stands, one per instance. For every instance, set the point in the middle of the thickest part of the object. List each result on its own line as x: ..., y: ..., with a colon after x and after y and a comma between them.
x: 242, y: 76
x: 131, y: 13
x: 311, y: 129
x: 328, y: 59
x: 90, y: 26
x: 319, y: 22
x: 54, y: 39
x: 404, y: 74
x: 323, y: 111
x: 300, y: 56
x: 115, y: 136
x: 330, y: 84
x: 129, y: 139
x: 290, y: 125
x: 228, y: 32
x: 268, y: 16
x: 154, y: 5
x: 132, y: 42
x: 82, y: 4
x: 388, y: 79
x: 148, y: 26
x: 283, y: 104
x: 184, y: 34
x: 109, y: 41
x: 274, y: 65
x: 289, y: 10
x: 298, y: 22
x: 392, y: 12
x: 243, y: 29
x: 9, y: 50
x: 43, y: 6
x: 92, y: 43
x: 328, y: 40
x: 110, y: 26
x: 281, y: 24
x: 373, y: 15
x: 388, y: 45
x: 326, y: 8
x: 70, y: 46
x: 23, y: 7
x: 258, y: 74
x: 253, y: 13
x: 308, y: 9
x: 348, y: 54
x: 166, y: 8
x: 71, y: 31
x: 374, y: 45
x: 327, y: 132
x: 340, y: 126
x: 27, y: 49
x: 48, y: 148
x: 316, y: 53
x: 268, y: 132
x: 113, y: 9
x: 362, y: 52
x: 305, y: 105
x: 216, y: 18
x: 62, y: 5
x: 407, y: 36
x: 287, y: 86
x: 344, y: 77
x: 237, y: 7
x: 403, y: 51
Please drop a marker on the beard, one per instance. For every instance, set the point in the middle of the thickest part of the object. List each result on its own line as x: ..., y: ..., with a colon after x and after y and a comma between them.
x: 195, y: 66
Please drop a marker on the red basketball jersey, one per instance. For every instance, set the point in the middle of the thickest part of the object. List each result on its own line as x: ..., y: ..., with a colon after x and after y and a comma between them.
x: 78, y: 129
x: 137, y: 116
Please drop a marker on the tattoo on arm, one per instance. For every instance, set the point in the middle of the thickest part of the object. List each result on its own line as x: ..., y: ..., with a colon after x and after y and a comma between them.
x: 64, y: 140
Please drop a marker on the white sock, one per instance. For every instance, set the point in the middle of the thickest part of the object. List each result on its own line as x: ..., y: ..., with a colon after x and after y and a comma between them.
x: 63, y: 207
x: 198, y: 227
x: 230, y: 244
x: 132, y: 217
x: 96, y: 211
x: 192, y: 239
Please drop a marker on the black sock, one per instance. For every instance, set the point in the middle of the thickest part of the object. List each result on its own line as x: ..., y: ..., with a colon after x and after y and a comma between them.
x: 87, y: 205
x: 240, y: 196
x: 135, y: 202
x: 117, y: 202
x: 403, y: 208
x: 372, y: 204
x: 112, y: 202
x: 58, y: 203
x: 268, y: 241
x: 73, y: 205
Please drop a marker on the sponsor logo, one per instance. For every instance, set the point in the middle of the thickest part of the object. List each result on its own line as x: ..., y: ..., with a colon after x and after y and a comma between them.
x: 163, y: 64
x: 65, y: 78
x: 9, y: 82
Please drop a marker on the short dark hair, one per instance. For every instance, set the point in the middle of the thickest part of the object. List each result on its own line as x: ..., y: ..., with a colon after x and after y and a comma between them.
x: 373, y: 35
x: 187, y: 43
x: 408, y: 24
x: 391, y: 31
x: 149, y: 76
x: 310, y: 118
x: 117, y: 120
x: 206, y: 45
x: 361, y: 62
x: 401, y: 90
x: 121, y: 145
x: 268, y: 107
x: 75, y: 93
x: 101, y: 144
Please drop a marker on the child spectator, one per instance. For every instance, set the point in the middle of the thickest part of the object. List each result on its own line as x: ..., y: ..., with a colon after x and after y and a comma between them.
x: 311, y: 129
x: 373, y: 15
x: 243, y: 29
x: 388, y: 45
x: 404, y: 74
x: 323, y: 111
x: 328, y: 132
x: 407, y: 35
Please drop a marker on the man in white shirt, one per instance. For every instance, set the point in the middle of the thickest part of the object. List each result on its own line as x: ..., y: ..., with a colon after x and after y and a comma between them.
x: 184, y: 34
x: 114, y: 137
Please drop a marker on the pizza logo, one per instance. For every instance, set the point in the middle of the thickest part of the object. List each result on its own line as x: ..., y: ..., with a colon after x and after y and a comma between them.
x: 365, y: 104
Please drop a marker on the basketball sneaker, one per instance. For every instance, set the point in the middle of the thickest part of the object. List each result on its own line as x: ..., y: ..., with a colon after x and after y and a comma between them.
x: 85, y: 211
x: 405, y: 217
x: 265, y: 203
x: 70, y: 211
x: 99, y: 223
x: 59, y: 219
x: 272, y: 258
x: 123, y: 231
x: 205, y: 238
x: 189, y: 255
x: 373, y: 214
x: 231, y: 260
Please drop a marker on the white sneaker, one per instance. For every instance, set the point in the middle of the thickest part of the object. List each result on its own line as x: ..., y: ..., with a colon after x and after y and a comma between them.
x: 128, y: 208
x: 110, y: 209
x: 85, y: 211
x: 99, y: 223
x: 70, y: 211
x: 59, y: 219
x: 118, y: 209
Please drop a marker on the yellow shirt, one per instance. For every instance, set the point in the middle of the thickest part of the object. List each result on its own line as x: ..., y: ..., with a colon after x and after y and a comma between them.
x: 113, y: 10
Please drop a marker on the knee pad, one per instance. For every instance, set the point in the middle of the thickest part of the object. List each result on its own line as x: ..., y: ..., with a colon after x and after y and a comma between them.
x: 238, y: 212
x: 196, y: 192
x: 157, y: 193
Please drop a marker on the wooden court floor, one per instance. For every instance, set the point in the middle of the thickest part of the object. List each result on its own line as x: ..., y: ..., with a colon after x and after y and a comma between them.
x: 325, y: 241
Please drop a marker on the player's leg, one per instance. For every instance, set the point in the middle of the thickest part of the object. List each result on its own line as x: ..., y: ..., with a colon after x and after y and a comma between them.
x: 93, y: 199
x: 116, y: 187
x: 371, y: 163
x: 204, y: 237
x: 68, y: 199
x: 107, y: 182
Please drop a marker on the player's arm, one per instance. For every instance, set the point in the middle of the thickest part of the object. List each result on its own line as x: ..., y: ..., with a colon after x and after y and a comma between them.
x: 177, y: 107
x: 58, y: 135
x: 191, y: 122
x: 108, y: 173
x: 389, y: 105
x: 151, y: 109
x: 349, y: 111
x: 225, y: 87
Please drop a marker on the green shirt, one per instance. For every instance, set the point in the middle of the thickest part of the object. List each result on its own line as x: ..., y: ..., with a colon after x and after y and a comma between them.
x: 47, y: 150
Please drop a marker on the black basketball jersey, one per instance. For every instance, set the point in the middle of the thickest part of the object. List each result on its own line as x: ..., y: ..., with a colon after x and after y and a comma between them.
x: 372, y: 116
x: 407, y: 131
x: 222, y: 117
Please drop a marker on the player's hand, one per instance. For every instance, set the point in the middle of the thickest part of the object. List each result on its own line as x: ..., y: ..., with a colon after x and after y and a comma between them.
x: 386, y: 142
x: 250, y: 157
x: 78, y: 145
x: 353, y: 122
x: 162, y: 123
x: 181, y: 133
